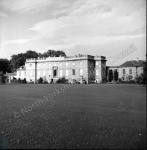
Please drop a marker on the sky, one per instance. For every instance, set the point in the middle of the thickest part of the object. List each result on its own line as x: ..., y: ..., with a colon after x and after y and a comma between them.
x: 92, y: 27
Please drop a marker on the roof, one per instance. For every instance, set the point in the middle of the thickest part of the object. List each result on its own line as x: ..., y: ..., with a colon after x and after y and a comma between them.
x: 133, y: 63
x: 113, y: 66
x: 22, y: 68
x: 10, y: 74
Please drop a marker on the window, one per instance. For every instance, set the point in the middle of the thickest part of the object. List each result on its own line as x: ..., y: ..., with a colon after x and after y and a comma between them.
x: 44, y: 64
x: 30, y: 65
x: 81, y: 72
x: 130, y: 71
x: 27, y: 73
x: 49, y: 65
x: 60, y: 73
x: 73, y: 71
x: 97, y: 72
x: 66, y: 72
x: 54, y: 73
x: 19, y: 73
x: 73, y: 64
x: 124, y: 71
x: 39, y: 65
x: 22, y: 73
x: 60, y: 64
x: 38, y: 73
x: 30, y: 73
x: 49, y: 72
x: 43, y: 72
x: 97, y: 63
x: 81, y: 62
x: 66, y: 64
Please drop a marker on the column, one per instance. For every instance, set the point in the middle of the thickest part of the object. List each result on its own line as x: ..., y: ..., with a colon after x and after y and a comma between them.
x: 113, y: 74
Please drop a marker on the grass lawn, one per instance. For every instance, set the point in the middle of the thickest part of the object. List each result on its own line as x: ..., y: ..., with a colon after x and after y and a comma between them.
x: 81, y: 116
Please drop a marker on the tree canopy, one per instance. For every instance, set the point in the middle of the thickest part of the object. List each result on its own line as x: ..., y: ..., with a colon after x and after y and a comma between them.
x: 18, y: 60
x: 5, y: 65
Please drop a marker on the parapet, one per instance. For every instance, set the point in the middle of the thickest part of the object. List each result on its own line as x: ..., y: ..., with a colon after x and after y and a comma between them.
x: 75, y: 57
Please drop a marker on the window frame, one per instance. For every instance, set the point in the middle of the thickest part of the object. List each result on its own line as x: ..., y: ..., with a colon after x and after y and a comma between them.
x: 73, y: 72
x: 124, y: 71
x: 130, y: 71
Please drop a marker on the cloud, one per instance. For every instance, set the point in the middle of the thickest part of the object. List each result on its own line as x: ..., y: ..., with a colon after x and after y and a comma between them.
x: 3, y: 14
x: 23, y: 6
x: 21, y: 41
x: 27, y: 6
x: 72, y: 23
x: 94, y: 23
x: 18, y: 41
x: 72, y: 42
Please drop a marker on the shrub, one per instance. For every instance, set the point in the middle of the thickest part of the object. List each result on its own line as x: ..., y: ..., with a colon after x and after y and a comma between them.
x: 123, y: 81
x: 132, y: 81
x: 45, y: 82
x: 40, y: 80
x: 62, y: 80
x: 24, y: 80
x: 19, y: 81
x: 119, y: 79
x: 140, y: 79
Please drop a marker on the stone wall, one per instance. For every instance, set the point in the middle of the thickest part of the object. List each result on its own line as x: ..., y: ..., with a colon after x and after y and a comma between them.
x: 127, y: 72
x: 83, y: 66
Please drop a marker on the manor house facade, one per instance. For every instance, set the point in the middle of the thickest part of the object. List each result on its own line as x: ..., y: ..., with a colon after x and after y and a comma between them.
x: 90, y: 68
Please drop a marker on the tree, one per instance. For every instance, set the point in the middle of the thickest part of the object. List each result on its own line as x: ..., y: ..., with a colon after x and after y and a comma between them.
x: 31, y: 54
x: 20, y: 59
x: 144, y: 75
x: 53, y: 53
x: 17, y: 61
x: 110, y: 75
x: 115, y: 75
x: 5, y: 65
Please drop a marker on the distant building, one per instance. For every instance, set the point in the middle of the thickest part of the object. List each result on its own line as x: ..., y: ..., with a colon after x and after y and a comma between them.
x: 126, y: 72
x: 112, y: 73
x: 9, y: 77
x: 131, y: 69
x: 20, y: 73
x: 90, y: 68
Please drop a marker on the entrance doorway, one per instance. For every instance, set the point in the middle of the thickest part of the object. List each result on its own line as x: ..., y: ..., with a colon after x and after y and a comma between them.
x: 55, y: 69
x: 54, y: 73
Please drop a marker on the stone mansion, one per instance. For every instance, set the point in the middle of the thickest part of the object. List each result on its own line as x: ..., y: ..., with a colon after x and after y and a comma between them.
x: 87, y: 67
x: 76, y: 68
